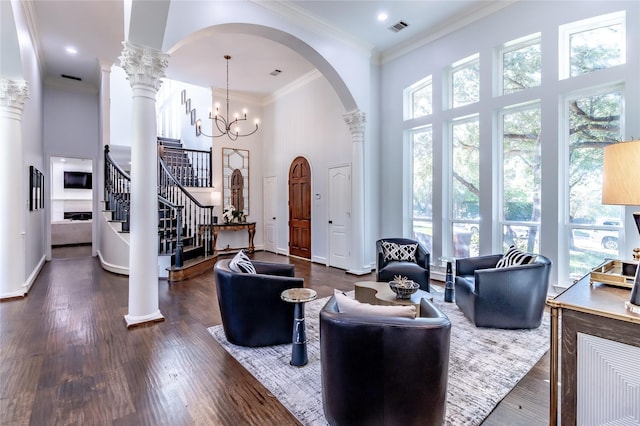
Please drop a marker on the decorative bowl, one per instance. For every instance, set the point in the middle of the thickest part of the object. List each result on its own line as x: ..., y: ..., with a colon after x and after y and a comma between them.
x: 404, y: 290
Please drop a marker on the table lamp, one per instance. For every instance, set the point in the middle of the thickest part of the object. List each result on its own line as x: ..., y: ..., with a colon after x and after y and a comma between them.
x: 621, y: 185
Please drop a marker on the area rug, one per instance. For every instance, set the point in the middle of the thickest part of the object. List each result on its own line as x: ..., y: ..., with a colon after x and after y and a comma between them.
x: 485, y: 364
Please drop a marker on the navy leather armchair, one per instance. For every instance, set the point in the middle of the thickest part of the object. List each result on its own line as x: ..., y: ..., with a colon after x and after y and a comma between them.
x: 252, y: 312
x: 509, y: 298
x: 418, y: 270
x: 384, y: 370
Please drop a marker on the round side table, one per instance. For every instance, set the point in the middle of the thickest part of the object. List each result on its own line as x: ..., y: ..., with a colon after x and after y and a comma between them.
x: 298, y: 296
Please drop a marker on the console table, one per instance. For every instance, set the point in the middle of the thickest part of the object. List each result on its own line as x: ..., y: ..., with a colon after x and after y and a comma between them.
x: 600, y: 354
x: 250, y: 227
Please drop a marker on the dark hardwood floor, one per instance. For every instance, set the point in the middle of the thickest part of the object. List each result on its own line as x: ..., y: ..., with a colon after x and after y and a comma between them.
x: 67, y: 358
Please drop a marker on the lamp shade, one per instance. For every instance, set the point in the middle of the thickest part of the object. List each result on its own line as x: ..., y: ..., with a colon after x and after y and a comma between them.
x: 621, y: 174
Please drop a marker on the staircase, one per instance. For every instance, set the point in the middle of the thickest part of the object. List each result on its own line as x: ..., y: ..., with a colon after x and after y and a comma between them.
x: 190, y: 167
x: 182, y: 221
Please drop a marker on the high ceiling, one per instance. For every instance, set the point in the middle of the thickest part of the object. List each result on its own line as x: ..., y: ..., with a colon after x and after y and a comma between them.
x: 96, y: 30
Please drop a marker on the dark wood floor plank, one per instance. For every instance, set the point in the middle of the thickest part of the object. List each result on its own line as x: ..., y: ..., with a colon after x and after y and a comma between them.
x: 66, y: 356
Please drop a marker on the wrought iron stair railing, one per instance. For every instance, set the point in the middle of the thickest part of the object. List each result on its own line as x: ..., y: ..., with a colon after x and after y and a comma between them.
x: 197, y: 218
x: 183, y: 230
x: 191, y: 167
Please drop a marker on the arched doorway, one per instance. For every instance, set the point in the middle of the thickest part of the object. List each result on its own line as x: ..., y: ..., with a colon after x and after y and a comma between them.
x: 300, y: 208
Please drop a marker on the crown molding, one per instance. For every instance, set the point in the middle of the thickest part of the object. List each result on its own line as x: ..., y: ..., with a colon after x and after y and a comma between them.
x: 448, y: 27
x: 30, y: 16
x: 299, y: 16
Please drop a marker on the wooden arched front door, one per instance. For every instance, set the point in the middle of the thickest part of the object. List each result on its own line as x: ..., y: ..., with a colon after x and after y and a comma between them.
x: 300, y: 208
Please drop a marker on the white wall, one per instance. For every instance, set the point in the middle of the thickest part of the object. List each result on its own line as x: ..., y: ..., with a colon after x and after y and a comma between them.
x: 306, y: 122
x: 120, y: 110
x: 517, y: 20
x: 32, y: 143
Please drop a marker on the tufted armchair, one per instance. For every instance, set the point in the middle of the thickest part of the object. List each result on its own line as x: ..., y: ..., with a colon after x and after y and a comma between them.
x: 252, y: 312
x: 380, y: 370
x: 511, y: 298
x: 417, y: 269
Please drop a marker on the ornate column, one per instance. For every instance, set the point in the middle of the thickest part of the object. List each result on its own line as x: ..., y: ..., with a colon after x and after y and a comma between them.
x: 144, y: 67
x: 356, y: 121
x: 13, y: 94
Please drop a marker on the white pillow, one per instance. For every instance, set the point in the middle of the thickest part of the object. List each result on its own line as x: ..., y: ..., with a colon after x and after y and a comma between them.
x: 351, y: 306
x: 241, y: 263
x: 393, y: 251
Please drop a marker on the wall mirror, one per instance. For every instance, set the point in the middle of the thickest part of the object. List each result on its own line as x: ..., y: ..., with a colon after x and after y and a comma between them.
x: 235, y: 179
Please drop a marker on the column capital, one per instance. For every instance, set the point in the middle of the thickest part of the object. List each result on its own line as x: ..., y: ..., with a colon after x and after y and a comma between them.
x: 355, y: 120
x: 13, y: 93
x: 143, y: 65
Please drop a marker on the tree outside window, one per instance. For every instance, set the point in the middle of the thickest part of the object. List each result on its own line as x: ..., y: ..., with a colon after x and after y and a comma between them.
x: 521, y: 65
x: 594, y: 228
x: 521, y: 178
x: 418, y: 99
x: 465, y: 82
x: 592, y: 44
x: 422, y: 166
x: 465, y: 194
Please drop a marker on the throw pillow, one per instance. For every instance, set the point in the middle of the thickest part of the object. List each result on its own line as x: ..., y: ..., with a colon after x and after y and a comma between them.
x: 241, y: 263
x: 350, y: 306
x: 514, y: 257
x: 394, y: 251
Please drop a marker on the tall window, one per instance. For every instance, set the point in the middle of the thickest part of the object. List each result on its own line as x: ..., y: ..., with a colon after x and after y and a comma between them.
x: 422, y: 166
x: 464, y: 79
x: 521, y: 178
x: 593, y: 228
x: 520, y: 62
x: 592, y: 44
x: 418, y: 99
x: 465, y: 187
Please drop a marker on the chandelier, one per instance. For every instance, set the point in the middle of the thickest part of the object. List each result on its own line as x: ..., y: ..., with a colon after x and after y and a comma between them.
x: 224, y: 124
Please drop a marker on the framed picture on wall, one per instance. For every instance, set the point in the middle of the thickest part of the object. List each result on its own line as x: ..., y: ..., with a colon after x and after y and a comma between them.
x: 36, y: 189
x: 193, y: 117
x: 187, y: 107
x: 183, y: 96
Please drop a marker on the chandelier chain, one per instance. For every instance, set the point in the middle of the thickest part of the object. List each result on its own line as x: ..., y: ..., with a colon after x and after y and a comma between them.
x: 224, y: 124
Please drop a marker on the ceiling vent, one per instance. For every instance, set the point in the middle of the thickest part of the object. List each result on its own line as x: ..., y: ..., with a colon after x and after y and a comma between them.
x: 400, y: 25
x: 70, y: 77
x: 275, y: 72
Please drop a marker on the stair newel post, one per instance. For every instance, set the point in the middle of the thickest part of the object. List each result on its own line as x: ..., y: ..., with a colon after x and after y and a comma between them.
x: 210, y: 233
x: 179, y: 242
x: 106, y: 178
x: 210, y: 182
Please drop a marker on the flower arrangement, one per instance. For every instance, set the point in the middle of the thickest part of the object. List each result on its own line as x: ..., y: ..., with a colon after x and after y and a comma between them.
x: 227, y: 214
x: 230, y: 214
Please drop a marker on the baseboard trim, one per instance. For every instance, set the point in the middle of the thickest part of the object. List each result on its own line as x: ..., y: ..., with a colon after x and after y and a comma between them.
x: 120, y: 270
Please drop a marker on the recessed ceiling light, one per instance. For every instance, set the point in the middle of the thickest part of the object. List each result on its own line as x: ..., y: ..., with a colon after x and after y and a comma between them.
x: 382, y: 16
x: 71, y: 50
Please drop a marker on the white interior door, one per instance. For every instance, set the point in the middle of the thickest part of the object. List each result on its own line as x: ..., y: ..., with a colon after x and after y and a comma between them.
x: 339, y: 216
x: 270, y: 221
